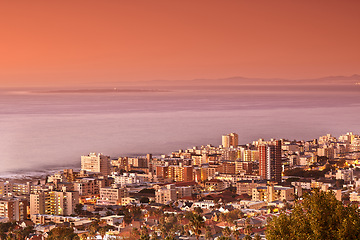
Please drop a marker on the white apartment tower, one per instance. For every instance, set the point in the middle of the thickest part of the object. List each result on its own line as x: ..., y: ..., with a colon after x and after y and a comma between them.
x: 230, y: 140
x: 96, y: 163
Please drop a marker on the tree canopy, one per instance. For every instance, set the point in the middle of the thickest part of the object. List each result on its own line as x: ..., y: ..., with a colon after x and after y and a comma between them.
x: 63, y: 233
x: 319, y: 216
x: 196, y: 223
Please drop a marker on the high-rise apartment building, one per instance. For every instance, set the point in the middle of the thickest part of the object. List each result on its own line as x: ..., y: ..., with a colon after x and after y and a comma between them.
x: 13, y: 209
x: 250, y: 155
x: 177, y: 173
x: 180, y: 173
x: 270, y: 161
x: 53, y: 202
x: 162, y: 172
x: 230, y: 140
x: 96, y: 163
x: 6, y: 188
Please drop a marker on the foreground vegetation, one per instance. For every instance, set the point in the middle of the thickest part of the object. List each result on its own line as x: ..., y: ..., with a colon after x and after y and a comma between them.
x: 319, y: 216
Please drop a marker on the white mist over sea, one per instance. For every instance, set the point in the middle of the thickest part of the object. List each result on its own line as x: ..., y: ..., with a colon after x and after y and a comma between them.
x: 41, y: 130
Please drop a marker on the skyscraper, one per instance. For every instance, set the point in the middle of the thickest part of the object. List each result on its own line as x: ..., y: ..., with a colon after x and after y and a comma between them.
x: 229, y: 140
x: 270, y: 161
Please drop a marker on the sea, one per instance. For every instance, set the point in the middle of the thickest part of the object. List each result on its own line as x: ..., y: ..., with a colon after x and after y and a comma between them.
x: 44, y: 130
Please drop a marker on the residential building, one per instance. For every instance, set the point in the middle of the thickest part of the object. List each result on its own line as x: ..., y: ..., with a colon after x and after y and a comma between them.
x: 53, y: 202
x: 246, y: 186
x: 270, y: 161
x: 88, y: 186
x: 166, y: 194
x: 13, y: 209
x: 272, y: 193
x: 6, y: 188
x: 112, y: 196
x: 345, y: 174
x: 214, y: 185
x: 230, y: 140
x: 96, y: 163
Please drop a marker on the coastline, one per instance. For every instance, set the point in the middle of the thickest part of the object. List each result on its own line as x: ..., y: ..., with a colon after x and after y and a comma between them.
x: 30, y: 175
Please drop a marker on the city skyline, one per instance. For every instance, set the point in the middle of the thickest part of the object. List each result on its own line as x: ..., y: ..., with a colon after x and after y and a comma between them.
x: 173, y: 120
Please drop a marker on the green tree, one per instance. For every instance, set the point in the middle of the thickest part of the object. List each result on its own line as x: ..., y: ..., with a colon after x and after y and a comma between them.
x: 127, y: 217
x: 84, y: 236
x: 144, y: 233
x: 168, y: 225
x: 226, y: 232
x: 224, y: 238
x: 153, y: 237
x: 196, y: 223
x: 170, y: 238
x: 248, y: 229
x: 136, y: 213
x: 63, y: 233
x: 22, y: 233
x: 103, y: 230
x: 5, y: 228
x: 257, y: 237
x: 208, y: 234
x: 319, y: 216
x: 237, y: 234
x: 78, y: 209
x: 93, y: 228
x: 198, y: 210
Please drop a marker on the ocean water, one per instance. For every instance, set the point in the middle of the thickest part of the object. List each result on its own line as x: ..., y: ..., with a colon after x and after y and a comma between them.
x: 42, y: 130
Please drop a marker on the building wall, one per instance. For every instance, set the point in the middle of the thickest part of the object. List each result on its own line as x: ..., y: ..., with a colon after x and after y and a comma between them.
x: 273, y: 193
x: 230, y: 140
x: 270, y: 161
x: 112, y: 196
x: 53, y: 202
x: 96, y: 163
x: 166, y: 194
x: 87, y: 187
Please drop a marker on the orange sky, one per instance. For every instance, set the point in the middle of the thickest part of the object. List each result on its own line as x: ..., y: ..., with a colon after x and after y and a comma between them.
x: 72, y: 42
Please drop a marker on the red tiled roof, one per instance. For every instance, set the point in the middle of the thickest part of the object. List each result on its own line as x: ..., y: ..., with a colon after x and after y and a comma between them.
x: 214, y: 180
x: 182, y: 184
x: 188, y: 198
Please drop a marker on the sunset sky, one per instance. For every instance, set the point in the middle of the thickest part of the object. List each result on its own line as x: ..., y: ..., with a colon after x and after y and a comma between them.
x: 80, y: 43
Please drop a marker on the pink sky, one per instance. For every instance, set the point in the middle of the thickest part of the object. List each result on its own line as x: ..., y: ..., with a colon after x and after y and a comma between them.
x: 72, y: 42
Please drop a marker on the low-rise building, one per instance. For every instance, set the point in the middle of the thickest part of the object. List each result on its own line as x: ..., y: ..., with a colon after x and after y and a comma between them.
x: 166, y: 194
x: 214, y: 185
x: 345, y: 174
x: 87, y: 186
x: 46, y: 218
x: 246, y: 186
x: 272, y: 193
x: 112, y: 196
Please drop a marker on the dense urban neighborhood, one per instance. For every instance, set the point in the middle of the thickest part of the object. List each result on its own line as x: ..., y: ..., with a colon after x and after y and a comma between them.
x: 230, y: 191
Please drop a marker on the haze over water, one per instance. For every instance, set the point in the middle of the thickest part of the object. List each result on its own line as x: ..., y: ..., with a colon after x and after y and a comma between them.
x: 44, y: 129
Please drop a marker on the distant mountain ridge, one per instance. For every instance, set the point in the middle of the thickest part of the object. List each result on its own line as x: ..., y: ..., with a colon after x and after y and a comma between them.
x: 342, y: 80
